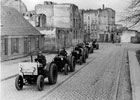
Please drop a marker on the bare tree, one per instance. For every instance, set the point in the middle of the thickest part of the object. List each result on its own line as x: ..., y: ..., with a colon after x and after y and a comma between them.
x: 133, y: 11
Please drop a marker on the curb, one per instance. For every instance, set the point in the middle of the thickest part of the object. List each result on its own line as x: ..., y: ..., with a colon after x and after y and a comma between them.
x: 12, y: 76
x: 134, y: 75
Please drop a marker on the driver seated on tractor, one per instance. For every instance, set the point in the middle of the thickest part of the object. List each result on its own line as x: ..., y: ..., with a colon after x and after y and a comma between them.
x: 94, y: 42
x: 63, y: 52
x: 78, y: 49
x: 41, y: 59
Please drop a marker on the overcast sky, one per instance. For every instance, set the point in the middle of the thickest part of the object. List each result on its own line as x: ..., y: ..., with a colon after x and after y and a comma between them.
x: 117, y: 5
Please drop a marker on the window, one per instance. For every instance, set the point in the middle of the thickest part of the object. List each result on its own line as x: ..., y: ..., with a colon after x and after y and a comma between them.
x: 92, y: 27
x: 4, y: 44
x: 74, y: 35
x: 37, y: 42
x: 58, y: 34
x: 14, y: 45
x: 88, y: 18
x: 40, y: 20
x: 27, y: 45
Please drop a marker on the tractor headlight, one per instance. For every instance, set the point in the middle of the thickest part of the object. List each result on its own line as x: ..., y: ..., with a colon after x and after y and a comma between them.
x: 20, y: 69
x: 61, y: 58
x: 34, y: 69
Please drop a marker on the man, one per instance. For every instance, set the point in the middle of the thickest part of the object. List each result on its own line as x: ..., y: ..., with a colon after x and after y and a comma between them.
x: 94, y: 43
x: 77, y: 48
x: 63, y: 52
x: 41, y: 59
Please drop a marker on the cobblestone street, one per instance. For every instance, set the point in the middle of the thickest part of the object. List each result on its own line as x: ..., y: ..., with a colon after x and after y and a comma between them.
x: 97, y: 79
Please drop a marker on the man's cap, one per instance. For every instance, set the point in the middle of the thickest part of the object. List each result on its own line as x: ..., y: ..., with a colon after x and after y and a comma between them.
x: 40, y: 52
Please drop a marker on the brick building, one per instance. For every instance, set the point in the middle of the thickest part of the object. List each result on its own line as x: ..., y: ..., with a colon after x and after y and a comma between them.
x: 18, y: 36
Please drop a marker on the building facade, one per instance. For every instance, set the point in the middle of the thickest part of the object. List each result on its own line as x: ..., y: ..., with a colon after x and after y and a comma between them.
x: 106, y: 27
x: 63, y: 17
x: 91, y: 23
x: 45, y: 10
x: 81, y: 25
x: 100, y: 24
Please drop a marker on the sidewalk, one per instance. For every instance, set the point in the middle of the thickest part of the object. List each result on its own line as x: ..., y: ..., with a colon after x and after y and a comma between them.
x: 10, y: 68
x: 134, y: 75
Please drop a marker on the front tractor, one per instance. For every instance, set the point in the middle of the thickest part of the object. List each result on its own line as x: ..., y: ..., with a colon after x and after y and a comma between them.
x: 34, y: 73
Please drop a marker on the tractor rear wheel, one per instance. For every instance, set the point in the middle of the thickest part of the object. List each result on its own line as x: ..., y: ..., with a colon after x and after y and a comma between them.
x: 53, y: 74
x: 72, y: 63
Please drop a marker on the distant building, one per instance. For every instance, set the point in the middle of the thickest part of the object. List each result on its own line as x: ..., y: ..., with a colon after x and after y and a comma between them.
x: 106, y: 24
x: 81, y: 25
x: 30, y: 16
x: 130, y: 36
x: 17, y: 4
x: 91, y: 22
x: 44, y: 11
x: 100, y: 23
x: 18, y: 36
x: 63, y: 18
x: 118, y: 26
x: 67, y: 16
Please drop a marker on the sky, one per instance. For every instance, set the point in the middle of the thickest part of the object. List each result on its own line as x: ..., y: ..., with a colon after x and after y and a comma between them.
x: 118, y: 5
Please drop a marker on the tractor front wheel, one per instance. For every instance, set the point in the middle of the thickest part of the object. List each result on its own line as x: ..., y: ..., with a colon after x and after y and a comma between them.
x: 66, y: 69
x: 40, y: 82
x: 19, y: 82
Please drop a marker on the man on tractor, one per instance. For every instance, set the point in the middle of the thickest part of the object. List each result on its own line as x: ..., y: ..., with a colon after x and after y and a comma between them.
x: 63, y: 52
x: 41, y: 59
x: 78, y: 49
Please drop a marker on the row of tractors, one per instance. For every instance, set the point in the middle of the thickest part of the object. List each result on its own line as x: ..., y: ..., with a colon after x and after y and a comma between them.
x: 34, y: 72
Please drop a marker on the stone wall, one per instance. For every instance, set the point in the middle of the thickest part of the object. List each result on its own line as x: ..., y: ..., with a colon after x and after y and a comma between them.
x: 62, y: 16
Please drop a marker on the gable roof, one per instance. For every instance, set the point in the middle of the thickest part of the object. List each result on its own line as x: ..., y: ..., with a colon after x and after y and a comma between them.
x: 15, y: 4
x: 13, y: 23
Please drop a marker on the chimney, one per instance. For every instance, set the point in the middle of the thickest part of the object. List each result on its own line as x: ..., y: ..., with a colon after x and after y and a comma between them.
x: 103, y: 6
